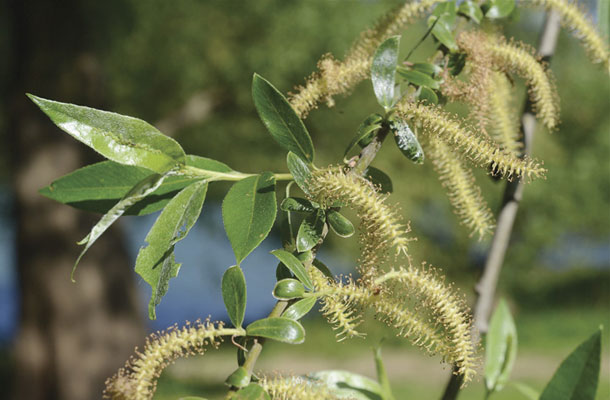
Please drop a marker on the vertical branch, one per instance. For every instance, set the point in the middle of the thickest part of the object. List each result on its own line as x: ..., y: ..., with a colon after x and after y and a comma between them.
x: 486, y: 287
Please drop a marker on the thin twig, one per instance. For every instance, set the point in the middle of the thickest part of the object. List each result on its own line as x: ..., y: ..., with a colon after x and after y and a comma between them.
x: 486, y: 287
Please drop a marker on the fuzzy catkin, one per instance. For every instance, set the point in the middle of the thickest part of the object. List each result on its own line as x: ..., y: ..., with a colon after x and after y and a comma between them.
x: 294, y: 388
x: 464, y: 195
x: 503, y: 124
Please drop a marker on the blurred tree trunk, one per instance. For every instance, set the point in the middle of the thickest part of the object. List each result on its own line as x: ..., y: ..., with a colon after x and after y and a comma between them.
x: 71, y: 336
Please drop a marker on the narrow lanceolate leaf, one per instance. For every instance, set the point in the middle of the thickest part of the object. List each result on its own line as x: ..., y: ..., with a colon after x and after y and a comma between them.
x: 578, y: 375
x: 299, y: 309
x: 339, y: 224
x: 345, y: 384
x: 119, y: 138
x: 294, y: 265
x: 407, y: 142
x: 500, y: 348
x: 98, y: 187
x: 310, y: 231
x: 234, y: 294
x: 248, y: 212
x: 418, y: 78
x: 280, y: 119
x: 139, y: 191
x: 155, y: 263
x: 383, y: 71
x: 300, y: 171
x: 365, y: 133
x: 277, y: 328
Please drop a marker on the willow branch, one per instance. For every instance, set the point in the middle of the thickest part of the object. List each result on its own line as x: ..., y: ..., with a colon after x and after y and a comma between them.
x: 486, y: 287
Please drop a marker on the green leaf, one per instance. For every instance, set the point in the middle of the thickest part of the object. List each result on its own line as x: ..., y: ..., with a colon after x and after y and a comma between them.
x: 294, y: 265
x: 248, y: 212
x: 323, y: 268
x: 155, y: 263
x: 287, y: 289
x: 119, y: 138
x: 578, y: 375
x: 418, y: 78
x: 366, y: 129
x: 251, y: 392
x: 382, y: 375
x: 426, y: 68
x: 139, y: 191
x: 500, y: 348
x: 339, y: 224
x: 427, y: 95
x: 471, y: 10
x: 238, y: 378
x: 299, y: 309
x: 407, y: 142
x: 100, y: 186
x: 495, y: 9
x: 442, y: 31
x: 310, y: 231
x: 277, y: 328
x: 281, y: 120
x: 234, y: 294
x: 297, y: 204
x: 348, y: 384
x: 383, y: 71
x: 379, y: 178
x: 300, y: 171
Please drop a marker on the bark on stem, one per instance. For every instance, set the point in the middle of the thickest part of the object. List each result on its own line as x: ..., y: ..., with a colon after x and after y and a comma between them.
x: 486, y: 287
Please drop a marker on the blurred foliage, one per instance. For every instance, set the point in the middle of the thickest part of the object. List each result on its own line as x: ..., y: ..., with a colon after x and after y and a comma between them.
x: 158, y: 54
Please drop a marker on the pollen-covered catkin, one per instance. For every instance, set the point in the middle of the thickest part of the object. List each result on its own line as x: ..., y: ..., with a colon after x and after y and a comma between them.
x: 294, y: 388
x: 336, y: 77
x: 577, y: 22
x: 433, y: 121
x: 464, y: 194
x: 502, y: 123
x: 138, y: 379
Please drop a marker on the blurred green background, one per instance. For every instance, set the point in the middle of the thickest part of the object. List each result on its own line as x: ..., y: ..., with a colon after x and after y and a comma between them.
x: 186, y: 66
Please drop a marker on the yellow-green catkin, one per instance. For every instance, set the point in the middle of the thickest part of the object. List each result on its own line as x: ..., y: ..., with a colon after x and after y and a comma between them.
x: 138, y: 379
x: 450, y: 310
x: 335, y: 77
x: 434, y: 122
x: 503, y: 123
x: 382, y: 226
x: 464, y: 194
x: 518, y: 58
x: 576, y: 21
x: 294, y: 388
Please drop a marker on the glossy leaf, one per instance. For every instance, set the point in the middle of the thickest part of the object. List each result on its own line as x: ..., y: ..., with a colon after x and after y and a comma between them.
x: 234, y: 294
x: 407, y: 142
x: 427, y: 95
x: 383, y: 71
x: 339, y: 224
x: 135, y: 194
x: 380, y: 179
x: 578, y: 375
x: 299, y: 309
x: 418, y: 78
x: 442, y: 31
x: 238, y: 378
x: 287, y: 289
x: 323, y: 268
x: 281, y: 120
x: 310, y: 231
x: 300, y: 171
x: 277, y: 328
x: 348, y: 384
x: 294, y: 265
x: 495, y: 9
x: 426, y: 68
x: 155, y: 263
x: 100, y: 186
x: 251, y: 392
x: 119, y: 138
x: 248, y: 212
x: 471, y: 10
x: 296, y: 204
x: 500, y: 348
x: 366, y: 129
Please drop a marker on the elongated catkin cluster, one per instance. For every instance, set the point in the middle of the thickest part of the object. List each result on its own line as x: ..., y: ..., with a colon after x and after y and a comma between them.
x: 294, y: 388
x: 503, y: 123
x: 138, y: 379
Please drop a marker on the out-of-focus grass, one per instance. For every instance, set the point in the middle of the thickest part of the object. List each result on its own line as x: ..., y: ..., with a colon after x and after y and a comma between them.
x: 545, y: 338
